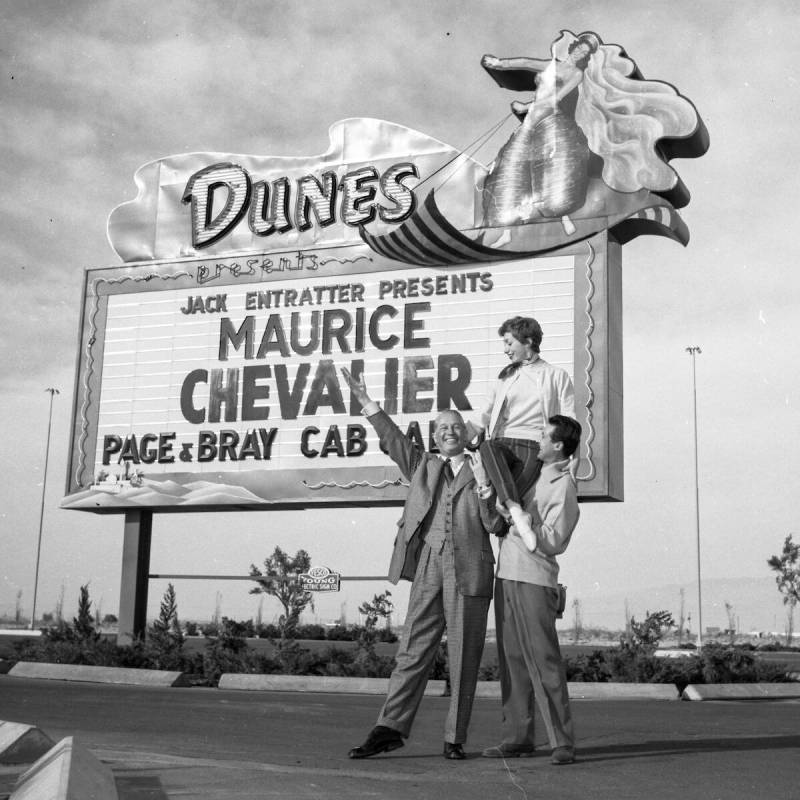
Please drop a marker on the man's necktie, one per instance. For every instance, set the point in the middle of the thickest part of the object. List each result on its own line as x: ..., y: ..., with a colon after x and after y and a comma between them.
x: 448, y: 471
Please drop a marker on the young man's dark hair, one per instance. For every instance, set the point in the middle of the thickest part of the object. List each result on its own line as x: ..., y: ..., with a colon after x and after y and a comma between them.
x: 567, y: 431
x: 523, y: 329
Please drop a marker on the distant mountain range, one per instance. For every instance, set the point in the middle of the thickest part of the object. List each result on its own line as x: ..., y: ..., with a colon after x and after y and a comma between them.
x: 756, y: 605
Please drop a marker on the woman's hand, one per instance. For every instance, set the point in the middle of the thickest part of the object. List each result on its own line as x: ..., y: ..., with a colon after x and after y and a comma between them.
x: 478, y: 470
x: 472, y: 432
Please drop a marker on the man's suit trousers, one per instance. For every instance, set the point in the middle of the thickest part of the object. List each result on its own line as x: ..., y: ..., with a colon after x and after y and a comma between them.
x: 436, y: 605
x: 531, y: 667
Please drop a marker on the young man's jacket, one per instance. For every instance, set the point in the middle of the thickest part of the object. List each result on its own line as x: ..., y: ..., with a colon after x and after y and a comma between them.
x: 472, y: 519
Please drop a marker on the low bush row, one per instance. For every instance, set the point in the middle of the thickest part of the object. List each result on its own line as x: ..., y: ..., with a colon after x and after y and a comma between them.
x: 228, y: 652
x: 714, y: 663
x: 332, y: 633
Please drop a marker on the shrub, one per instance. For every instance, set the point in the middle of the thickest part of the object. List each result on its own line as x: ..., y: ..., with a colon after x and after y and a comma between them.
x: 342, y: 633
x: 267, y: 631
x: 371, y: 665
x: 590, y: 668
x: 774, y: 647
x: 721, y: 664
x: 61, y: 645
x: 292, y: 659
x: 228, y: 652
x: 311, y: 631
x: 644, y: 637
x: 440, y: 671
x: 163, y: 646
x: 489, y: 672
x: 338, y: 662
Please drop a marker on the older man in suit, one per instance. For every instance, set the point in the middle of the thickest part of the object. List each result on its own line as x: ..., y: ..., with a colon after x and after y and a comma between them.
x: 443, y: 548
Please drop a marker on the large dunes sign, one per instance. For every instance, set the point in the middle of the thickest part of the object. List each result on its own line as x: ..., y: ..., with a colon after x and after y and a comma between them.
x: 208, y: 375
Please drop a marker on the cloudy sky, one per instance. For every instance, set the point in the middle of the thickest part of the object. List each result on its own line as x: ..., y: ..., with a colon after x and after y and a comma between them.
x: 93, y: 90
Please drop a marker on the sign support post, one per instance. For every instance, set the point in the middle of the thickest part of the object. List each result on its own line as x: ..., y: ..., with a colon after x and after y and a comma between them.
x: 135, y: 572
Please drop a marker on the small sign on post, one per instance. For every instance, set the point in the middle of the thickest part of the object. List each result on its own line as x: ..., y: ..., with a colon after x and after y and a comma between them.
x: 320, y: 579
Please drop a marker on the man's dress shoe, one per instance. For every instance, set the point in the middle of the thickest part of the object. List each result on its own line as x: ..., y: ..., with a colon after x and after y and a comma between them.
x: 562, y: 755
x: 380, y: 740
x: 454, y: 752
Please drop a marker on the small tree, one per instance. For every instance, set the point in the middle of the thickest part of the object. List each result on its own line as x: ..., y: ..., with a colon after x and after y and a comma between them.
x: 787, y: 567
x: 165, y: 639
x: 381, y: 607
x: 283, y: 571
x: 166, y: 630
x: 645, y: 636
x: 83, y: 624
x: 367, y: 662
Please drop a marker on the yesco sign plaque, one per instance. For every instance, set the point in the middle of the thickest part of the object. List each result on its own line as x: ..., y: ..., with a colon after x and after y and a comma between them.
x: 209, y: 370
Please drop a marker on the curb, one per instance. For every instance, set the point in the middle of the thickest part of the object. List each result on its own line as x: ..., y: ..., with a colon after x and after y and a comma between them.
x: 599, y: 691
x: 741, y: 691
x: 623, y: 691
x: 490, y: 689
x: 309, y: 683
x: 323, y: 684
x: 81, y: 672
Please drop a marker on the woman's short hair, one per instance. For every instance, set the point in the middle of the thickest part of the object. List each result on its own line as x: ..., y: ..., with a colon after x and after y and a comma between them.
x: 524, y: 329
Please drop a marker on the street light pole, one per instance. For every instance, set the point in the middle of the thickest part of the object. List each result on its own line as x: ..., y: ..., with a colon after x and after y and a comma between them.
x: 41, y: 513
x: 694, y: 351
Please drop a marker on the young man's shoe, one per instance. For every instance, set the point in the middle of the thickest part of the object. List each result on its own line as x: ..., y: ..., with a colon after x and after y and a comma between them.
x: 508, y: 751
x: 562, y: 755
x: 453, y: 752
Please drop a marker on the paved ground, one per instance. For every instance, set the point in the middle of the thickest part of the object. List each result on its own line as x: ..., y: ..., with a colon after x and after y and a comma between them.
x: 215, y: 745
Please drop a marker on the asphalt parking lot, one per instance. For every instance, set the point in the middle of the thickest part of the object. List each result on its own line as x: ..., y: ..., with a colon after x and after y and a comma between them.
x: 215, y: 744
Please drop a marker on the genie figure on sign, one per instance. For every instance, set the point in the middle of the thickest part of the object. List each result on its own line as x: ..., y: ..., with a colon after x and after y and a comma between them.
x: 592, y: 125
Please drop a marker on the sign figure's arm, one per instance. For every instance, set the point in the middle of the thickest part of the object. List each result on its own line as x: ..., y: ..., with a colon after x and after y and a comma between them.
x: 518, y: 74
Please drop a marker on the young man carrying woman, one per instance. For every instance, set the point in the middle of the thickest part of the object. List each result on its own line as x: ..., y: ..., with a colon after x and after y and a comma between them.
x: 528, y: 392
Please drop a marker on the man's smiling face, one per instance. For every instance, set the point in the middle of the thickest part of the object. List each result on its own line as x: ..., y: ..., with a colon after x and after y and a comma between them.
x: 450, y: 433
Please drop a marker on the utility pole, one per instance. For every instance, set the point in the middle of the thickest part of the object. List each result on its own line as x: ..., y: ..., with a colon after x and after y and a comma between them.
x: 694, y: 351
x: 41, y: 513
